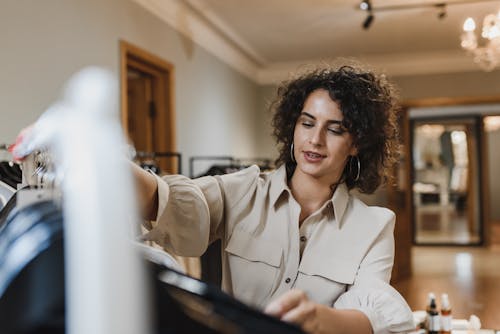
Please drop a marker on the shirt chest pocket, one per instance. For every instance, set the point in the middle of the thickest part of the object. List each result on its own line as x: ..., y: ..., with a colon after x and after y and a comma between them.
x: 325, y: 280
x: 254, y: 265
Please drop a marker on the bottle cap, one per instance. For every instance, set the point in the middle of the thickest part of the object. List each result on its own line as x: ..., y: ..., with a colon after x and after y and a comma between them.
x: 445, y: 301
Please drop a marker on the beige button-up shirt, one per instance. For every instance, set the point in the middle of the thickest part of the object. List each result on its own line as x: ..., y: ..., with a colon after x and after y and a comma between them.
x: 341, y: 256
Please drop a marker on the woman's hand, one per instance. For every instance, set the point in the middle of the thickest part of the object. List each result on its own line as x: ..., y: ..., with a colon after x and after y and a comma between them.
x: 21, y: 137
x: 295, y: 307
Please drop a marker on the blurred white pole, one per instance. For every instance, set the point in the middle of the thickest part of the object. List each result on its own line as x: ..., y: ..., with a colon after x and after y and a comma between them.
x: 105, y: 283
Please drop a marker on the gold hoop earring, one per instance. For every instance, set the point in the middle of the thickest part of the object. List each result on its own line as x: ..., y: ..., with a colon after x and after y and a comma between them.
x: 292, y: 155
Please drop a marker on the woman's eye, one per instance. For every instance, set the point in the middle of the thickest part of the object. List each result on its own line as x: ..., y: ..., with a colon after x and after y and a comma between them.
x: 307, y: 124
x: 337, y: 131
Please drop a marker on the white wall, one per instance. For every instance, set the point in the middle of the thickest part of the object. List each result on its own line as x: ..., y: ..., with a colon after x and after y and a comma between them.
x: 44, y: 42
x: 466, y: 84
x: 265, y: 141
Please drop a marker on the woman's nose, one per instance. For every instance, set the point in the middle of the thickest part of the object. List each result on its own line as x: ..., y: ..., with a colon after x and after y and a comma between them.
x: 317, y: 137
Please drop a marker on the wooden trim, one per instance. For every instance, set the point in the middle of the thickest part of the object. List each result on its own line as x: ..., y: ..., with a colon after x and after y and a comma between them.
x: 408, y: 147
x: 141, y: 66
x: 472, y: 151
x: 485, y: 185
x: 164, y: 75
x: 397, y: 197
x: 171, y: 107
x: 447, y: 101
x: 145, y: 55
x: 123, y: 87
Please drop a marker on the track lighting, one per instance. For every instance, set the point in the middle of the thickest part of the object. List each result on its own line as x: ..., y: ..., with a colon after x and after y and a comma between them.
x: 368, y: 21
x: 368, y: 7
x: 441, y: 10
x: 365, y: 5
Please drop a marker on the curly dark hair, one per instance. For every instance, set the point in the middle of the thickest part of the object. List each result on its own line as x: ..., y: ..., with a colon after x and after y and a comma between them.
x: 369, y: 105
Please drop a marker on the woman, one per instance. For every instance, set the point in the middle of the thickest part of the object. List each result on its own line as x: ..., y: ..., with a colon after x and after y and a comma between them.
x: 295, y: 242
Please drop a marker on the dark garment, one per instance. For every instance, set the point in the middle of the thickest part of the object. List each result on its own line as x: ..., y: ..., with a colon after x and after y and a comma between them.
x: 32, y: 285
x: 10, y: 173
x: 187, y: 305
x: 32, y: 289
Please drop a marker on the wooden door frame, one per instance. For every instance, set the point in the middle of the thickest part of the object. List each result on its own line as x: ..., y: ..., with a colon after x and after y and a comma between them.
x: 402, y: 267
x: 484, y: 186
x: 133, y: 56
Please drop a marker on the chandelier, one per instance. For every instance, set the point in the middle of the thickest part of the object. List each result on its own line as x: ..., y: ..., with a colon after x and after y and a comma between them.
x: 488, y: 55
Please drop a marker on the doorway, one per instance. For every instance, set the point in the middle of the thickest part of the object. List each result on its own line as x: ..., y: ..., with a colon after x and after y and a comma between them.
x: 481, y: 116
x: 147, y: 105
x: 446, y: 181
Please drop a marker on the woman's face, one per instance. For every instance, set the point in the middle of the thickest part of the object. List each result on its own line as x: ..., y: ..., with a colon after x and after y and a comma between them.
x: 321, y: 144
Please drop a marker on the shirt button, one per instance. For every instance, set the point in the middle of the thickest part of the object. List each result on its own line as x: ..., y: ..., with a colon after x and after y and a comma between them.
x: 287, y: 280
x: 303, y: 238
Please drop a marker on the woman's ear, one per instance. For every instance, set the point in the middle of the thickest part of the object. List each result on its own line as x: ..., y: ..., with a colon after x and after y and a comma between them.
x: 353, y: 151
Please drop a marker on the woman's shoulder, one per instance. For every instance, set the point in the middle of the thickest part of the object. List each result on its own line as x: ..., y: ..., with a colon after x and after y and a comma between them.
x: 378, y: 214
x: 249, y: 174
x: 245, y: 175
x: 245, y: 182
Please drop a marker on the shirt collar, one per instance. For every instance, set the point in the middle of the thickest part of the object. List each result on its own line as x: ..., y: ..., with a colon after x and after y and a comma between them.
x: 338, y: 201
x: 278, y: 184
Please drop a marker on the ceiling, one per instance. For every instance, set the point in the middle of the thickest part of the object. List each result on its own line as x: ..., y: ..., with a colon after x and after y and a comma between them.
x: 266, y: 39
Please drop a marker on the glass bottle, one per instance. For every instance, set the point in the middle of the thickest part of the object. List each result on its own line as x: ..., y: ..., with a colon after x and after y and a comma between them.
x: 445, y: 314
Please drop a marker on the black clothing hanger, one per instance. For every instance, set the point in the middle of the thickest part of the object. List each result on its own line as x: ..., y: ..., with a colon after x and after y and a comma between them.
x: 10, y: 173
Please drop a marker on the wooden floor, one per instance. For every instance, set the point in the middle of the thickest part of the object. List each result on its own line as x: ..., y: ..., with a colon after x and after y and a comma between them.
x: 438, y: 224
x: 470, y: 276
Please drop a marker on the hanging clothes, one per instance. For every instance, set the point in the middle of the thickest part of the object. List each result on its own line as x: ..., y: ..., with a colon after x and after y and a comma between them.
x: 10, y: 173
x: 32, y: 268
x: 6, y: 192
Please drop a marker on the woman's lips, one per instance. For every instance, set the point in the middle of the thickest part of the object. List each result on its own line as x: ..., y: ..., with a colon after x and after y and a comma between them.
x: 313, y: 156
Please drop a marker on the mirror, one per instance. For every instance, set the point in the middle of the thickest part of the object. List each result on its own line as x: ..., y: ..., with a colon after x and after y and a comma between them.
x: 446, y: 181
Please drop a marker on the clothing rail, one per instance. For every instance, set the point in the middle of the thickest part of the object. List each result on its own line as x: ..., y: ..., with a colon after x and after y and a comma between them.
x: 258, y: 161
x: 263, y: 162
x: 152, y: 155
x: 206, y: 158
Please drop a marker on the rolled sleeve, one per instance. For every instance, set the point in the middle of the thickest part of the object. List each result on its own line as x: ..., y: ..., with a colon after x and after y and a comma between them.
x: 192, y: 212
x: 163, y: 191
x: 189, y: 212
x: 379, y: 259
x: 385, y: 308
x: 371, y: 293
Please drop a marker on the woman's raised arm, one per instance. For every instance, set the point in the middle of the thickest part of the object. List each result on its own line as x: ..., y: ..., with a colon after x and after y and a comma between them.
x: 147, y: 192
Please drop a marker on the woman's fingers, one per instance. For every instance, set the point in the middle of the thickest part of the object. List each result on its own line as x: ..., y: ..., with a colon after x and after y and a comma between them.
x: 19, y: 140
x: 300, y: 314
x: 285, y: 303
x: 296, y: 308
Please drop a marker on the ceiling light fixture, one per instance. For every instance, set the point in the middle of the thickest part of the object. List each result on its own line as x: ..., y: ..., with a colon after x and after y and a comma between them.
x: 368, y: 21
x: 367, y: 6
x: 441, y: 10
x: 440, y: 6
x: 487, y: 56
